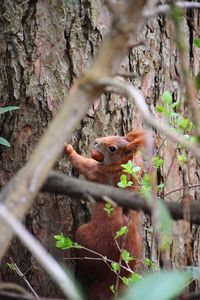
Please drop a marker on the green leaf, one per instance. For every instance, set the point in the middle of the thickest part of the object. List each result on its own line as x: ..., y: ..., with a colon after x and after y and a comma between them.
x: 193, y: 139
x: 7, y: 108
x: 175, y: 104
x: 147, y: 262
x: 121, y: 231
x: 121, y: 185
x: 11, y: 266
x: 115, y: 267
x: 63, y: 242
x: 134, y: 277
x: 126, y: 256
x: 123, y: 178
x: 160, y: 187
x: 108, y: 209
x: 197, y: 42
x: 123, y: 182
x: 125, y: 280
x: 181, y: 159
x: 158, y: 286
x: 167, y: 113
x: 160, y: 108
x: 4, y: 142
x: 157, y: 162
x: 166, y: 97
x: 57, y: 237
x: 127, y: 168
x: 112, y: 288
x: 184, y: 123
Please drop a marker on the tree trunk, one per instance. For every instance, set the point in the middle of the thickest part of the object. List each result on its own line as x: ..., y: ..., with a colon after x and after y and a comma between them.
x: 44, y: 46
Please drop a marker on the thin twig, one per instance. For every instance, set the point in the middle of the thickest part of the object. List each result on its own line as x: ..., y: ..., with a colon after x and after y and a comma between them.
x: 41, y: 255
x: 186, y: 214
x: 99, y: 259
x: 18, y: 271
x: 104, y: 258
x: 120, y: 258
x: 180, y: 189
x: 171, y: 164
x: 160, y: 146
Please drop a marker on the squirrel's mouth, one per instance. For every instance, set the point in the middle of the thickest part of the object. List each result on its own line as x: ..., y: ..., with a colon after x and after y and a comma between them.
x: 97, y: 155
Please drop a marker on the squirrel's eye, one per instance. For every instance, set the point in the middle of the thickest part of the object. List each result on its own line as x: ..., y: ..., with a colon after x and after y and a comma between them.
x: 112, y: 148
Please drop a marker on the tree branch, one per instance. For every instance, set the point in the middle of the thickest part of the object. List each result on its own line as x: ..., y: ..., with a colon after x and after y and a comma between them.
x: 165, y: 9
x: 130, y: 91
x: 74, y: 187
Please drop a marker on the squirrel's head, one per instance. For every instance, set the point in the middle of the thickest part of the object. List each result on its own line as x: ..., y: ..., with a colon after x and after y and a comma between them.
x: 112, y: 150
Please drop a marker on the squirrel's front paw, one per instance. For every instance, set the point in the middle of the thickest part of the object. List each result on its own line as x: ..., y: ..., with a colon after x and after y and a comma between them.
x: 68, y: 149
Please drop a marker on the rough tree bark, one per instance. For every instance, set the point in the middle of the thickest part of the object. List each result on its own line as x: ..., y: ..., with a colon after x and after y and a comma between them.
x: 44, y: 46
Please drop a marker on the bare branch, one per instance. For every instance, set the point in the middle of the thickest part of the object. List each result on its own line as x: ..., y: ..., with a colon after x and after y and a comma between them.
x: 42, y: 256
x: 164, y: 9
x: 129, y: 91
x: 10, y: 286
x: 74, y: 187
x: 7, y: 294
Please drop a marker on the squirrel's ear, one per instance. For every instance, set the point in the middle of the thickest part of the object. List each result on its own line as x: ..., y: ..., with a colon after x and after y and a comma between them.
x: 131, y: 148
x: 136, y: 139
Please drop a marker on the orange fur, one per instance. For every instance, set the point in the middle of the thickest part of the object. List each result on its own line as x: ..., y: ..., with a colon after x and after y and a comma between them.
x: 98, y: 234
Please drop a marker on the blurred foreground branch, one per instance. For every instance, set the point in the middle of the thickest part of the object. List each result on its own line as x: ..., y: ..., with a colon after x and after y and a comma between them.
x: 62, y: 184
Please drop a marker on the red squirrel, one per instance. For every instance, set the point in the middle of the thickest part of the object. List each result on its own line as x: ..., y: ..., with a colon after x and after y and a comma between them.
x: 98, y: 234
